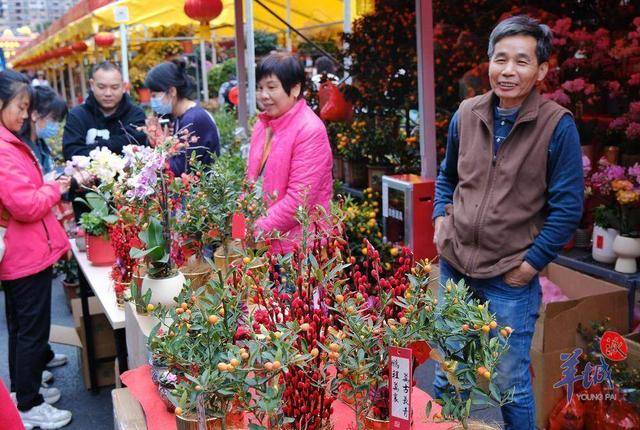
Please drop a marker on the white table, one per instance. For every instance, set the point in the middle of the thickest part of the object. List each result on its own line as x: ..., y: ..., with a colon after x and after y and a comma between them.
x: 97, y: 279
x: 102, y: 286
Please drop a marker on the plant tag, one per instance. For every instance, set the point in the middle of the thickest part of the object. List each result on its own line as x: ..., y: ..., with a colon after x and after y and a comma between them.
x: 600, y: 241
x: 400, y: 384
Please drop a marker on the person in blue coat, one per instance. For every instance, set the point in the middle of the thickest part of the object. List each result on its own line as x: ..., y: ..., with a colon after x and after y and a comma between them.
x: 172, y: 95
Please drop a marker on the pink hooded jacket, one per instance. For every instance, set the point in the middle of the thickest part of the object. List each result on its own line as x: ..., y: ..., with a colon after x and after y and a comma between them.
x: 34, y: 239
x: 298, y: 170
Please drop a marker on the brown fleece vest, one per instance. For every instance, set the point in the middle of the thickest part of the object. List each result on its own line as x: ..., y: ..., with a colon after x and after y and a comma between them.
x: 499, y: 203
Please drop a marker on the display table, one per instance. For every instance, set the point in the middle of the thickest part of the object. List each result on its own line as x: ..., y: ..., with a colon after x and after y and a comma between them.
x: 141, y: 390
x: 138, y: 328
x: 96, y: 279
x: 581, y: 261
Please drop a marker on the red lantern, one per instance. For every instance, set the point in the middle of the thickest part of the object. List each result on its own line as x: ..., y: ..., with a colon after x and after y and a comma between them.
x: 104, y: 39
x: 203, y: 10
x: 79, y: 46
x: 66, y: 51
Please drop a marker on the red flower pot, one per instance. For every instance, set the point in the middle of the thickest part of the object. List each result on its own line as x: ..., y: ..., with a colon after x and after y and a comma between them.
x: 99, y: 251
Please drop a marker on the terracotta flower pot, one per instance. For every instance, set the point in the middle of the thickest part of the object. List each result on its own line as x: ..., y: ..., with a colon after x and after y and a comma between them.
x: 99, y: 251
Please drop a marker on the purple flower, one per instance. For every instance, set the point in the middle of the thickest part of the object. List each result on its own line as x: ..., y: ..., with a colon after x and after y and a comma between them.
x: 614, y: 172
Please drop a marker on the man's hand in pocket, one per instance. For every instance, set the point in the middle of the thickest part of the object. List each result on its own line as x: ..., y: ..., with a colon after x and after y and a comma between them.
x: 520, y: 276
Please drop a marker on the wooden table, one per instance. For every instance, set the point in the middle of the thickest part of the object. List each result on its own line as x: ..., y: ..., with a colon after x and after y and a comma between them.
x: 96, y: 279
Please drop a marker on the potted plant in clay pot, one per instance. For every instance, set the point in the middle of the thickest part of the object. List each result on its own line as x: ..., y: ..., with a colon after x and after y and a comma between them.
x: 221, y: 367
x: 95, y: 224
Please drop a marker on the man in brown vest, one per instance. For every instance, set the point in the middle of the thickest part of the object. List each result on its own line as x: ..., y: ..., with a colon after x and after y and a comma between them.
x: 508, y: 197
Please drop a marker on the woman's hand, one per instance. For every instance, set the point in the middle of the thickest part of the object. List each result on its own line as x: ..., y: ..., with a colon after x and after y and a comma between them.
x: 64, y: 182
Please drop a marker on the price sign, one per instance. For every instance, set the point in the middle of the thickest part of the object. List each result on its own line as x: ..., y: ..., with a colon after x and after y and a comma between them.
x: 400, y: 384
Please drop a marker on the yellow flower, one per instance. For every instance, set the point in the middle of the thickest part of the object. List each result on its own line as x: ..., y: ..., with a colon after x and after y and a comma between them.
x: 626, y: 197
x: 371, y: 223
x: 621, y: 184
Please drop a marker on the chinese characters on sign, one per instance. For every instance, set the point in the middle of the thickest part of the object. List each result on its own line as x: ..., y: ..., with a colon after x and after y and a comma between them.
x: 401, y: 381
x: 591, y: 375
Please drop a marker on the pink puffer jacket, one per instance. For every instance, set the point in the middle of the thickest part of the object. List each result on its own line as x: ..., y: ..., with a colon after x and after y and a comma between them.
x: 34, y: 239
x: 298, y: 169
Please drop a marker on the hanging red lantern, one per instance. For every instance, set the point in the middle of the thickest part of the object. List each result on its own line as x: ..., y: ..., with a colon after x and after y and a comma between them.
x: 104, y: 39
x: 79, y: 46
x: 203, y: 10
x: 66, y: 51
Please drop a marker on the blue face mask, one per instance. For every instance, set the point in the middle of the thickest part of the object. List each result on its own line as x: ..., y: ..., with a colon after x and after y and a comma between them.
x: 49, y: 130
x: 160, y: 107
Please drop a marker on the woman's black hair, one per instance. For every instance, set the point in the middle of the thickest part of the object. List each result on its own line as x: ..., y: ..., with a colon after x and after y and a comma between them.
x: 45, y: 101
x: 171, y: 74
x: 287, y: 68
x: 12, y: 84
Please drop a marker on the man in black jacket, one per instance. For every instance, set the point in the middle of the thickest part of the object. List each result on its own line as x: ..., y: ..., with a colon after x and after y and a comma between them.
x: 107, y: 118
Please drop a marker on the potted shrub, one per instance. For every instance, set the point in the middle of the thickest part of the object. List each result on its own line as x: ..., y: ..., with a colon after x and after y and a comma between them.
x: 204, y: 341
x: 603, y: 235
x: 95, y: 224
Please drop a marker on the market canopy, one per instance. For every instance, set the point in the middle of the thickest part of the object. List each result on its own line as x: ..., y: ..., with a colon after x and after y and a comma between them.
x: 143, y: 13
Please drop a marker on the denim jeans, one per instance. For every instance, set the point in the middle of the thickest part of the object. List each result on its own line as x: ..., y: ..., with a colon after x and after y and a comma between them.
x: 516, y: 307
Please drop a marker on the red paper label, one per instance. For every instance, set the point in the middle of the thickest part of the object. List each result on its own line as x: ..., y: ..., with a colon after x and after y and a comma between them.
x: 599, y: 241
x: 613, y: 346
x: 400, y: 383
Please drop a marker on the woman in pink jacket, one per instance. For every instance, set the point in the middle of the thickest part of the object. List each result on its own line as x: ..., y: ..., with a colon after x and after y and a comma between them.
x: 34, y: 241
x: 290, y: 154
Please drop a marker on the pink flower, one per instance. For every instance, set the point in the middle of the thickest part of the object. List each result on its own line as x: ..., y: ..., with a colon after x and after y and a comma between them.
x: 618, y: 124
x: 635, y: 79
x: 634, y: 108
x: 559, y: 97
x: 636, y: 21
x: 614, y: 172
x: 586, y: 165
x: 562, y: 27
x: 634, y: 171
x: 633, y: 131
x: 574, y: 86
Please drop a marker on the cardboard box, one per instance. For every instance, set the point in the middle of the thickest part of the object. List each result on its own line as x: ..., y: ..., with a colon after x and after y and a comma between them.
x: 104, y: 344
x: 546, y: 371
x: 633, y: 350
x: 590, y: 300
x: 104, y: 369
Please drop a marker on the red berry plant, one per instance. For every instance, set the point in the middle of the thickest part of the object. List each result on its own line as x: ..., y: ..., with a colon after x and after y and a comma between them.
x: 293, y: 290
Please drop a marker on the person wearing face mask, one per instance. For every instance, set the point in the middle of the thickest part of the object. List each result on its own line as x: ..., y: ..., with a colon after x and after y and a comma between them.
x: 172, y: 95
x: 34, y: 241
x: 107, y: 118
x: 47, y: 111
x: 290, y: 154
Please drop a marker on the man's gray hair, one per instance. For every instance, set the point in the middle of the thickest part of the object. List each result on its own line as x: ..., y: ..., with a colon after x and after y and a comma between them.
x: 523, y: 25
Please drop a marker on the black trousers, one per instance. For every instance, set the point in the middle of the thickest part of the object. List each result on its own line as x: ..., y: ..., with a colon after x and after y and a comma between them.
x: 28, y: 305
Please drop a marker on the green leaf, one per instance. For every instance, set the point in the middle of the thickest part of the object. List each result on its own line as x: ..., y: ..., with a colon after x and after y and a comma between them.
x: 427, y: 411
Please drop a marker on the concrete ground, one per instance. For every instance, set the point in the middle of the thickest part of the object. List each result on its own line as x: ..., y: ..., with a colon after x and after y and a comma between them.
x: 94, y: 411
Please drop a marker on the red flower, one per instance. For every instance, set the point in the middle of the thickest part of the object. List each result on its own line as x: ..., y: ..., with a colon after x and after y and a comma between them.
x: 242, y: 333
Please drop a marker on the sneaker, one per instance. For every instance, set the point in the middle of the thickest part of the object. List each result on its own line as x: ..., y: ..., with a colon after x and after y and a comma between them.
x: 47, y: 378
x: 46, y: 417
x: 57, y: 360
x: 50, y: 395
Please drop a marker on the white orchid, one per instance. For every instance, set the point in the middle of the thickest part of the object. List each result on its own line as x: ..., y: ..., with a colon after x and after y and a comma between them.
x: 105, y: 165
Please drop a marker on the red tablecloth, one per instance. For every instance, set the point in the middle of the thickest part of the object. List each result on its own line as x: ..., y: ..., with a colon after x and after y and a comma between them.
x: 158, y: 418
